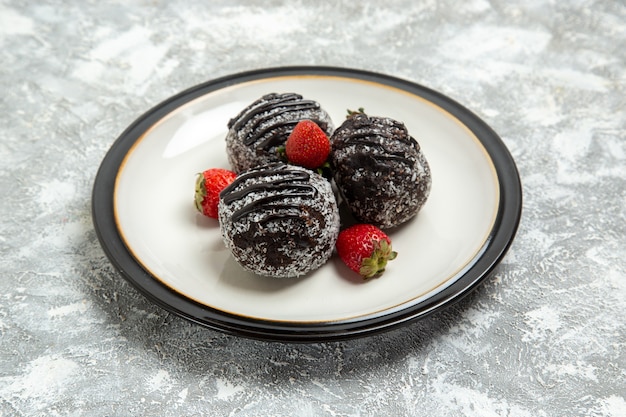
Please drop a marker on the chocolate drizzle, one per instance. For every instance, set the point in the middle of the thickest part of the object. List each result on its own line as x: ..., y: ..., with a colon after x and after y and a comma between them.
x: 288, y: 183
x: 257, y: 133
x: 380, y: 139
x: 272, y: 100
x: 280, y: 131
x: 269, y: 110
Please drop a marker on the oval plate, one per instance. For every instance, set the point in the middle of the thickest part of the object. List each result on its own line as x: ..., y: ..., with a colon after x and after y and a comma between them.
x: 146, y: 222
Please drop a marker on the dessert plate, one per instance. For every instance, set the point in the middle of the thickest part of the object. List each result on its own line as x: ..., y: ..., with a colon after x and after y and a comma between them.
x: 146, y: 222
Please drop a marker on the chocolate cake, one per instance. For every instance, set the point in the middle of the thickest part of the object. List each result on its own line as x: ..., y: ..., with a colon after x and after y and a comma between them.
x: 256, y: 133
x: 379, y: 170
x: 279, y: 220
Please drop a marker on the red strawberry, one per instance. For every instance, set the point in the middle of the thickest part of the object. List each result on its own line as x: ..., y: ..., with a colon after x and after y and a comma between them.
x: 208, y: 187
x: 365, y: 249
x: 307, y: 145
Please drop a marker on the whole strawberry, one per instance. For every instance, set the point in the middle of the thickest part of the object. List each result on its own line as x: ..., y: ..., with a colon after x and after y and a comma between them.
x: 307, y: 145
x: 209, y: 184
x: 365, y: 249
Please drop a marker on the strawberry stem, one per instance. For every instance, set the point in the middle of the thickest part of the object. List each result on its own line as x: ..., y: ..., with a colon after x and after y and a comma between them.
x: 200, y: 192
x: 374, y: 266
x: 325, y: 171
x: 360, y: 110
x: 282, y: 153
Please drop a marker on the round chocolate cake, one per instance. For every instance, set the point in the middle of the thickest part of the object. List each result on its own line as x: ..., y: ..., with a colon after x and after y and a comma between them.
x: 256, y: 133
x: 279, y: 220
x: 379, y: 170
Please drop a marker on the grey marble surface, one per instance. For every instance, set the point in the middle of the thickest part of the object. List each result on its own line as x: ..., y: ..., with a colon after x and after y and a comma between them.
x: 544, y: 336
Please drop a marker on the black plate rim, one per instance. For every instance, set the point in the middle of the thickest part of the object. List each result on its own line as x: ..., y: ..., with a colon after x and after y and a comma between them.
x: 480, y: 267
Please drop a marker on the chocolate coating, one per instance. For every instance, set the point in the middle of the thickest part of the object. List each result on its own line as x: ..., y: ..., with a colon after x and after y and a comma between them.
x: 379, y: 169
x: 279, y: 220
x: 255, y: 134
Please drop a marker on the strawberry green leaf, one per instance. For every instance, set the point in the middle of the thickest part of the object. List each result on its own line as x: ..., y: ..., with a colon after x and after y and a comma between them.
x: 361, y: 110
x: 200, y: 192
x: 282, y: 153
x: 374, y: 266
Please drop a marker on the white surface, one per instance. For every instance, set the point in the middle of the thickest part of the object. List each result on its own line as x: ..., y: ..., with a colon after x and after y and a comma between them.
x: 155, y: 212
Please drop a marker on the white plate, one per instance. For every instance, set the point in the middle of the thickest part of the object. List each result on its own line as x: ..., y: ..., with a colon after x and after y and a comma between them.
x: 150, y: 211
